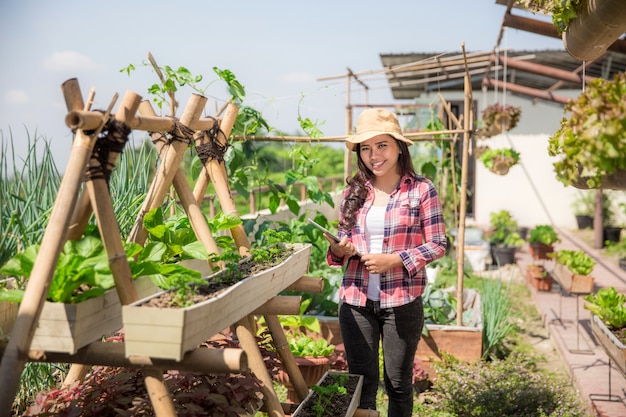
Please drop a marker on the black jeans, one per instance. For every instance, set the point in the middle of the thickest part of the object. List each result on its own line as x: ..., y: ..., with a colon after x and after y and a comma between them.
x: 399, y: 328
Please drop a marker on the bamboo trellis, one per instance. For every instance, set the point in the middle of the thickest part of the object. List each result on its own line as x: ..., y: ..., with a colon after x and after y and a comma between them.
x: 71, y: 214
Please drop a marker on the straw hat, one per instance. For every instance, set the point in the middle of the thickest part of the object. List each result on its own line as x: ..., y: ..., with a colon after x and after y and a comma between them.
x: 374, y: 122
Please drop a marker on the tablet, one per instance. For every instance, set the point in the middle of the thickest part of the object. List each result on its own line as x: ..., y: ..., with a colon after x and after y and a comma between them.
x: 323, y: 229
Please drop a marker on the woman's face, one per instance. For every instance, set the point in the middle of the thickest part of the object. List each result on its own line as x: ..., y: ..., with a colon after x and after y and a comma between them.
x: 380, y: 154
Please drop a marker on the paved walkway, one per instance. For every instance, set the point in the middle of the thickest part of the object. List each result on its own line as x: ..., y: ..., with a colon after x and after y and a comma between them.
x: 603, y: 387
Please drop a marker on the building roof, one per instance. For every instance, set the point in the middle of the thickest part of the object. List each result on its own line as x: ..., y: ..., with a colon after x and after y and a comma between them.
x: 537, y: 74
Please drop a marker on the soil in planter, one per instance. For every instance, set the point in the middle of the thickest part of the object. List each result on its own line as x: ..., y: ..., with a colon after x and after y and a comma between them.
x: 339, y: 404
x: 218, y: 283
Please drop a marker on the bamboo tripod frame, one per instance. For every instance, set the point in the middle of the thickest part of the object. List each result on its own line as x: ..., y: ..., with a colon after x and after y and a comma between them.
x: 69, y: 219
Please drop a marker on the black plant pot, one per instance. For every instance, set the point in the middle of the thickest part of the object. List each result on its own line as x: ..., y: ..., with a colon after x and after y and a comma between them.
x: 622, y: 263
x: 503, y: 255
x: 584, y: 221
x: 612, y: 234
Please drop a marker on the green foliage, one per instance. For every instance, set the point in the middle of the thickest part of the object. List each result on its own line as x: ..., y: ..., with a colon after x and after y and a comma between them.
x: 608, y: 305
x: 327, y: 393
x: 82, y: 265
x: 510, y: 387
x: 439, y: 306
x: 562, y: 11
x: 492, y: 113
x: 576, y: 261
x: 496, y: 315
x: 544, y: 234
x: 504, y: 229
x: 616, y: 248
x: 490, y: 156
x: 590, y: 143
x: 303, y: 345
x: 28, y: 190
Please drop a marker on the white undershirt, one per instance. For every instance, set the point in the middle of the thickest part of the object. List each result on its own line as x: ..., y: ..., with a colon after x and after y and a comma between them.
x: 375, y: 231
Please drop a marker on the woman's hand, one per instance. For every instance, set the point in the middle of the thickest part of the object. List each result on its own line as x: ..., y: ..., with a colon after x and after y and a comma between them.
x: 378, y: 263
x: 342, y: 248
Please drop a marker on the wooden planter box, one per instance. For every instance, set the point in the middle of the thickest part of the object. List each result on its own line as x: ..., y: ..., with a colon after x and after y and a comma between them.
x: 570, y: 282
x: 171, y: 332
x: 611, y: 345
x: 355, y: 397
x: 539, y: 278
x: 8, y: 311
x: 540, y: 251
x: 462, y: 342
x: 68, y: 327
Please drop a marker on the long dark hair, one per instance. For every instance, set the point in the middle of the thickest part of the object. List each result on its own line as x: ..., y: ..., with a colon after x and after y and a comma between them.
x: 357, y: 191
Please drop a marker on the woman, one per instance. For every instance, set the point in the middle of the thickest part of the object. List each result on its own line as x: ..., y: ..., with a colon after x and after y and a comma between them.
x: 393, y: 218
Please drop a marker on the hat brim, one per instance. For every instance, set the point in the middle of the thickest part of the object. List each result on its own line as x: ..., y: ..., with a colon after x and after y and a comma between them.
x: 352, y: 141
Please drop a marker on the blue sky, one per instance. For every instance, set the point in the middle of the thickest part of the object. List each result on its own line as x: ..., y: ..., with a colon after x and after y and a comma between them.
x: 279, y: 50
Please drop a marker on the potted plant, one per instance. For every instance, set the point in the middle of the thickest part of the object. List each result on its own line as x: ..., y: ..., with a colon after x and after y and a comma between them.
x: 608, y: 323
x: 541, y: 240
x: 587, y: 142
x: 572, y: 270
x: 610, y: 231
x: 312, y: 353
x: 504, y: 237
x: 617, y: 249
x: 538, y: 277
x: 584, y: 209
x: 498, y: 118
x: 499, y: 161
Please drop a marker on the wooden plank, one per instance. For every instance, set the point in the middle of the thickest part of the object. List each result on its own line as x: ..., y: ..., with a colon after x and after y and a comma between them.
x: 570, y: 282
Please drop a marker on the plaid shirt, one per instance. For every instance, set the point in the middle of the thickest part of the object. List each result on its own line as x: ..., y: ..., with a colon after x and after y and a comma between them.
x: 414, y: 229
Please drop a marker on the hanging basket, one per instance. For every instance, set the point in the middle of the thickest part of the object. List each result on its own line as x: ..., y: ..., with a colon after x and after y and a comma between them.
x: 501, y: 165
x: 479, y: 150
x: 503, y: 121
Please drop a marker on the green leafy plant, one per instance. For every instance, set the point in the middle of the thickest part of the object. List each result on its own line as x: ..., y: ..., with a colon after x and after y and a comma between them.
x: 590, y: 143
x: 303, y: 345
x: 544, y: 234
x: 576, y: 261
x: 609, y: 306
x: 616, y: 248
x: 82, y: 272
x: 562, y: 11
x: 491, y: 157
x: 500, y: 116
x: 504, y: 230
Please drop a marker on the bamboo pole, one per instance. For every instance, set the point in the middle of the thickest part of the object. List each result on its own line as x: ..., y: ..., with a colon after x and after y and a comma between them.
x: 245, y: 333
x: 100, y: 202
x: 203, y: 360
x: 460, y: 245
x: 170, y: 162
x: 307, y: 284
x: 284, y: 305
x: 87, y: 120
x: 216, y: 171
x: 289, y: 363
x: 158, y: 393
x: 14, y: 358
x: 190, y: 205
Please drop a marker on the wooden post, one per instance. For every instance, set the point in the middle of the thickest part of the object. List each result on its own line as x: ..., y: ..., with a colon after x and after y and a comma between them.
x: 191, y: 206
x: 246, y: 334
x: 460, y: 244
x: 14, y: 357
x: 289, y: 363
x: 216, y: 172
x: 170, y: 162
